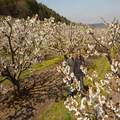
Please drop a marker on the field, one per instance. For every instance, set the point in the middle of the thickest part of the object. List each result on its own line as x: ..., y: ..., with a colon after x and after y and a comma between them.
x: 35, y: 76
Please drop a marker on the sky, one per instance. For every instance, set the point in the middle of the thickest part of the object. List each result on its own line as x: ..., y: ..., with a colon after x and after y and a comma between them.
x: 86, y: 11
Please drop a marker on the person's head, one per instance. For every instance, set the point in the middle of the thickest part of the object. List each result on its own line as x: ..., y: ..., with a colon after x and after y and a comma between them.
x: 77, y: 53
x: 70, y: 55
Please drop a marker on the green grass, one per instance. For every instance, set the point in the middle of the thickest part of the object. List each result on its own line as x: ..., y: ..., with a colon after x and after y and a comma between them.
x: 37, y: 68
x: 42, y: 66
x: 88, y: 82
x: 114, y: 52
x: 48, y: 63
x: 101, y: 66
x: 1, y: 78
x: 6, y: 83
x: 57, y: 111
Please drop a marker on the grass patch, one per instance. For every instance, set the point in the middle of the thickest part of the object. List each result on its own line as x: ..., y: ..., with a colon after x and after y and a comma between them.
x: 37, y: 67
x: 114, y: 52
x: 6, y: 83
x: 47, y: 63
x: 101, y: 66
x: 56, y: 112
x: 88, y: 82
x: 42, y: 66
x: 1, y: 78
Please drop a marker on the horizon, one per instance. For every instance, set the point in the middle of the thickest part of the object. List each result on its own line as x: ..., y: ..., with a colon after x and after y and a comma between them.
x: 85, y: 11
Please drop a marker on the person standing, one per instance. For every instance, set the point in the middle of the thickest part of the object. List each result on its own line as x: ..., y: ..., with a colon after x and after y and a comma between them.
x: 78, y: 61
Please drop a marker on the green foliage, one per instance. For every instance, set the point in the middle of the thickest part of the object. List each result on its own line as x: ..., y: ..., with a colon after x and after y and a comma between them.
x: 24, y: 8
x: 56, y: 111
x: 33, y: 5
x: 45, y: 12
x: 7, y: 7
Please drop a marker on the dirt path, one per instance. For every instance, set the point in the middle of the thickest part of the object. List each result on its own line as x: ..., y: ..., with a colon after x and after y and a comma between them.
x: 47, y: 89
x: 41, y: 107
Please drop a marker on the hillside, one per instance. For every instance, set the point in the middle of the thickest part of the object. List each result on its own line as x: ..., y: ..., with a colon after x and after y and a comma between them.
x: 97, y: 25
x: 24, y: 8
x: 45, y: 12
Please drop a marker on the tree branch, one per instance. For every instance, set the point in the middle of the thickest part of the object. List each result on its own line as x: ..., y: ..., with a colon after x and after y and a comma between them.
x: 10, y: 43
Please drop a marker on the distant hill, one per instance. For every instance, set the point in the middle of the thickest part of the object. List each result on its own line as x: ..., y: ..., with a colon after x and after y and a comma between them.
x: 24, y: 8
x: 97, y: 25
x: 45, y: 12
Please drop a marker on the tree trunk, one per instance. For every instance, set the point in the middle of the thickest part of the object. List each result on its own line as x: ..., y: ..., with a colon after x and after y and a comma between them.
x: 16, y: 85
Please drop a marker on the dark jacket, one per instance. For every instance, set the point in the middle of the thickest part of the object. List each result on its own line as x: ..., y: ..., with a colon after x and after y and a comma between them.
x: 77, y: 63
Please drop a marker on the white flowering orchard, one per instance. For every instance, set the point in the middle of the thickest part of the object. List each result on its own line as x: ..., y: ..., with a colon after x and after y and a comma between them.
x: 24, y: 42
x: 97, y: 102
x: 20, y: 43
x: 106, y: 43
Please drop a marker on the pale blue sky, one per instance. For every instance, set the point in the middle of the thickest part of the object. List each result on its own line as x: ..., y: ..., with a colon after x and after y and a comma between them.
x: 86, y: 11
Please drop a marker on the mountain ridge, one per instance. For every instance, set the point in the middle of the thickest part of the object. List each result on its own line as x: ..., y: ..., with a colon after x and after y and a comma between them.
x: 97, y: 25
x: 25, y: 8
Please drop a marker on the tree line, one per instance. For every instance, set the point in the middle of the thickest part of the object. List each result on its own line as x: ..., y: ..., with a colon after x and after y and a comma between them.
x: 25, y: 8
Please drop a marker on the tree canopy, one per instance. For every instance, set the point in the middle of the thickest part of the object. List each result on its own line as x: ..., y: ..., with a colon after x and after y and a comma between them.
x: 24, y: 8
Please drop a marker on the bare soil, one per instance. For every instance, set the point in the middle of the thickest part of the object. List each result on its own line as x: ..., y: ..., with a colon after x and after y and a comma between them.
x: 48, y: 88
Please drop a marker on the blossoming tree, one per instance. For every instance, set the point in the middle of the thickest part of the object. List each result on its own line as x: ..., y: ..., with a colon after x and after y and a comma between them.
x: 19, y: 43
x: 108, y: 44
